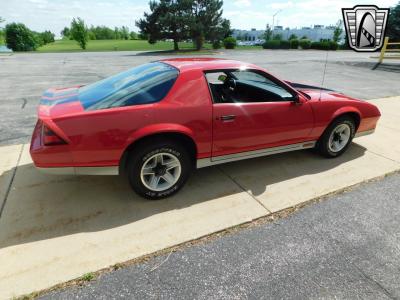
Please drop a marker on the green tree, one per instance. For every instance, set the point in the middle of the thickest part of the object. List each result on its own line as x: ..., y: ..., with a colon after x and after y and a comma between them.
x: 1, y: 32
x: 124, y: 32
x: 182, y: 19
x: 277, y: 37
x: 47, y: 37
x: 65, y: 33
x: 337, y: 33
x: 79, y: 32
x: 268, y: 33
x: 102, y: 33
x: 133, y: 35
x: 20, y: 38
x: 393, y: 29
x: 292, y: 37
x: 168, y: 19
x: 207, y: 22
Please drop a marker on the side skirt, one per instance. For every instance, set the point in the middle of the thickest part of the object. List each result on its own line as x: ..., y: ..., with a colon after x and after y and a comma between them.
x: 207, y: 162
x: 105, y: 171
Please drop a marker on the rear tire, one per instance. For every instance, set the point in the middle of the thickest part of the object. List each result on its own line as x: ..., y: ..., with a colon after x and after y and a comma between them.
x: 337, y: 137
x: 159, y: 169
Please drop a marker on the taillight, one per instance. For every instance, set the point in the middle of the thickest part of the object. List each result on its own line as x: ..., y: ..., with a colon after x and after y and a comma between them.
x: 51, y: 138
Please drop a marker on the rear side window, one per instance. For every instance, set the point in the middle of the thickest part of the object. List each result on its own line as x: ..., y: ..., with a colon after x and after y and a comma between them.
x: 145, y: 84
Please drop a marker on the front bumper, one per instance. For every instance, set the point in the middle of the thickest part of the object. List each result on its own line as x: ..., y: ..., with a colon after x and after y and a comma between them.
x: 364, y: 133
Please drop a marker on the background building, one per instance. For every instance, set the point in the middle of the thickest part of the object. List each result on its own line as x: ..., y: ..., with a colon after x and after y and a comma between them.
x: 315, y: 33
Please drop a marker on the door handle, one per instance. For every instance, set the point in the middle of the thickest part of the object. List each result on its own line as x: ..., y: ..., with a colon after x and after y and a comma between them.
x: 228, y: 118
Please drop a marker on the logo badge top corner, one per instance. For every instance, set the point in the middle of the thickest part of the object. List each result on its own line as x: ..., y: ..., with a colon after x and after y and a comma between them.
x: 365, y: 27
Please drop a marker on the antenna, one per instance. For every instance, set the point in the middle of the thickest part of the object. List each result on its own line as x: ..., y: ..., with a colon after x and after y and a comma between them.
x: 323, y: 77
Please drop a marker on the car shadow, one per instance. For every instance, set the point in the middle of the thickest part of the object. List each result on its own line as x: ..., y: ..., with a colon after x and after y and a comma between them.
x: 41, y: 207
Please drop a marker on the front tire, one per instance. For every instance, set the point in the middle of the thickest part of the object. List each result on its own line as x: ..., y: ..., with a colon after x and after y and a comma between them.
x: 158, y: 170
x: 337, y: 137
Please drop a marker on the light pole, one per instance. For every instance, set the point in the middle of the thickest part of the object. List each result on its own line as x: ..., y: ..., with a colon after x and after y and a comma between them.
x: 273, y: 21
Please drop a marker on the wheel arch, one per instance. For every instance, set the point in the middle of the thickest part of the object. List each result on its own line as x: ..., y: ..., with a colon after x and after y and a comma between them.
x: 352, y: 112
x: 177, y: 134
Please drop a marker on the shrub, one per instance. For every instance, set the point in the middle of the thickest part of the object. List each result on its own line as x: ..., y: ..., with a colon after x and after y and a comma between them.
x: 230, y: 42
x: 326, y: 45
x: 217, y: 45
x: 294, y: 44
x: 285, y: 44
x: 272, y: 44
x: 333, y: 45
x: 20, y: 38
x: 305, y: 44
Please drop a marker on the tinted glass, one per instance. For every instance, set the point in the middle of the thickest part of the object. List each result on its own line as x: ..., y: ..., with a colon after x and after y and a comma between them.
x: 258, y: 81
x: 145, y: 84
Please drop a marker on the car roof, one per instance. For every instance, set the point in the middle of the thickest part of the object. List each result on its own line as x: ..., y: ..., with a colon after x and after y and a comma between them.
x: 206, y: 64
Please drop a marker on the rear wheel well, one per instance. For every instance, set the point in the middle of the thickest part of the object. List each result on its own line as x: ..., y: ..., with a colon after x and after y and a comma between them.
x: 175, y: 137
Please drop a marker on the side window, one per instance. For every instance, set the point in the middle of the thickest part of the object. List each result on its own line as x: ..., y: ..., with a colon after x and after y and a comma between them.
x: 144, y: 84
x: 254, y: 87
x: 216, y: 82
x: 245, y: 86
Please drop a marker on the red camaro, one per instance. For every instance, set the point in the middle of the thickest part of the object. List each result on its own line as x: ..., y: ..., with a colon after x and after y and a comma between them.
x: 157, y: 122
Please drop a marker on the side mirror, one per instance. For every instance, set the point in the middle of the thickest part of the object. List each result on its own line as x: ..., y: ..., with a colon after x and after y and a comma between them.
x: 297, y: 100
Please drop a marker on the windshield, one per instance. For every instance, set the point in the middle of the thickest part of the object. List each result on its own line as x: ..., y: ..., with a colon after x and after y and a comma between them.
x: 145, y: 84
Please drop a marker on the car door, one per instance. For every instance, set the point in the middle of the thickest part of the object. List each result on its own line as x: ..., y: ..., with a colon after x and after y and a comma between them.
x: 255, y: 112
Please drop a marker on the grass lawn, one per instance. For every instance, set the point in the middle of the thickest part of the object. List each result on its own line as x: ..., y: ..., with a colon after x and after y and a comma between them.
x: 125, y: 45
x: 111, y: 45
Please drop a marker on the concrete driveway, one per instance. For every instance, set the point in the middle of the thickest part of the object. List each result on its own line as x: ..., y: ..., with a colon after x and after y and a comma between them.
x: 54, y: 229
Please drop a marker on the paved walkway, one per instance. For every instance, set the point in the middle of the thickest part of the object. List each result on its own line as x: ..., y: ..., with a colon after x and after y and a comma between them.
x: 54, y: 229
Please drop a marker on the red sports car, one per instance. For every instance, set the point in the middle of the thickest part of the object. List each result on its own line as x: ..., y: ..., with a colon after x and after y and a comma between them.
x: 159, y: 121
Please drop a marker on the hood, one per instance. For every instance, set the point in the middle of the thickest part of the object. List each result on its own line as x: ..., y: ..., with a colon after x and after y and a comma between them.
x: 57, y: 102
x: 317, y: 93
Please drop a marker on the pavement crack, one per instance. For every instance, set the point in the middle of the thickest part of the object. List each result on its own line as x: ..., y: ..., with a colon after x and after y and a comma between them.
x: 383, y: 156
x: 11, y: 181
x: 375, y: 282
x: 24, y: 103
x: 243, y: 188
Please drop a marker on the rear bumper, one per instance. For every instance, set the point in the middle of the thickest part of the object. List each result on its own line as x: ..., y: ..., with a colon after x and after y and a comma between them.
x: 103, y: 171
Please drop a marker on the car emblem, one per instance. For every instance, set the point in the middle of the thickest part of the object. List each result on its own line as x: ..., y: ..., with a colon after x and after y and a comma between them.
x: 365, y: 27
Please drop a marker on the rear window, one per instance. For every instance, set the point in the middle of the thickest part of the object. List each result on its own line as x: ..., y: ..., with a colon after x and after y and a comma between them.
x: 145, y: 84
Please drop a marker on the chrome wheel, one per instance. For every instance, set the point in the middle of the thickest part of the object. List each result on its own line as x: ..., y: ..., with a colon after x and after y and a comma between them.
x: 160, y: 172
x: 339, y: 138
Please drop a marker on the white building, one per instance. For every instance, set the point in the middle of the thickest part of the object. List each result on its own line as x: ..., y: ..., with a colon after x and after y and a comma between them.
x: 315, y: 33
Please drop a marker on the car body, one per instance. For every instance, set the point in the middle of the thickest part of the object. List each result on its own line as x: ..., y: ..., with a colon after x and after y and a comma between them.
x: 218, y: 110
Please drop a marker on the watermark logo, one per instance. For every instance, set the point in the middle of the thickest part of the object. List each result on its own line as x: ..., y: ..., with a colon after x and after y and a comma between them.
x: 365, y: 27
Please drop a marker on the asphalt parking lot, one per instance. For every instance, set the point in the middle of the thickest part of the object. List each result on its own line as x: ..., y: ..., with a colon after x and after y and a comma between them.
x: 54, y: 229
x: 24, y: 77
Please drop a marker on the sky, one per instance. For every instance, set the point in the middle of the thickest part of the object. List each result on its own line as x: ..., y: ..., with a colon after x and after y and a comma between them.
x: 54, y: 15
